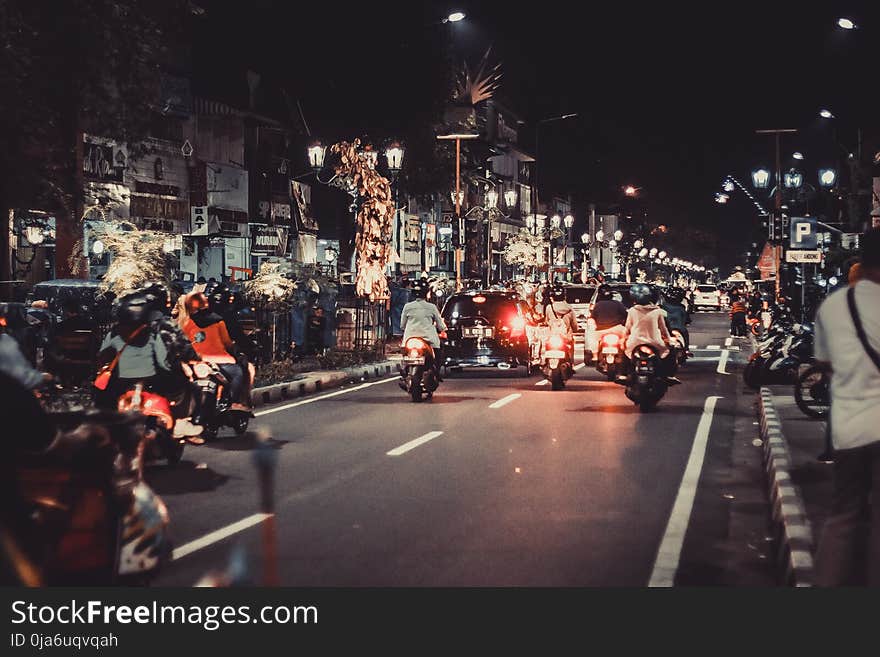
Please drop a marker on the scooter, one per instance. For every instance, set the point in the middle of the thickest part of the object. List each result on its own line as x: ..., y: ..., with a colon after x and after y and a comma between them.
x: 610, y: 359
x: 678, y: 342
x: 159, y: 423
x: 556, y: 365
x: 217, y: 409
x: 646, y: 386
x: 418, y: 374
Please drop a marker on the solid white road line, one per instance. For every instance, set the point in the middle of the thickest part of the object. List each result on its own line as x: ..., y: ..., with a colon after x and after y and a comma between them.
x: 329, y: 394
x: 218, y: 535
x: 728, y: 342
x: 703, y: 359
x: 542, y: 382
x: 722, y: 364
x: 669, y: 554
x: 504, y: 401
x: 412, y: 444
x: 714, y: 346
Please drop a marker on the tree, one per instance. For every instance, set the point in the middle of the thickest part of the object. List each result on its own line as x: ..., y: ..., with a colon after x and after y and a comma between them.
x: 76, y: 66
x: 525, y: 250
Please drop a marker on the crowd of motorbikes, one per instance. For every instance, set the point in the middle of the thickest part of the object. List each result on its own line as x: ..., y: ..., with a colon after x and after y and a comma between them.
x: 644, y: 377
x: 76, y: 508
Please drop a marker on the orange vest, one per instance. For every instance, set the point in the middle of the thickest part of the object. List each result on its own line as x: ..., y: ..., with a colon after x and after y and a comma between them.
x: 213, y: 347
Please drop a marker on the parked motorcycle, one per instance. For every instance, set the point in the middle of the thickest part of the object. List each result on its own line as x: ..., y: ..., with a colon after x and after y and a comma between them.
x: 159, y: 422
x: 678, y: 342
x: 812, y: 391
x: 418, y: 374
x: 216, y: 409
x: 779, y: 357
x: 646, y: 385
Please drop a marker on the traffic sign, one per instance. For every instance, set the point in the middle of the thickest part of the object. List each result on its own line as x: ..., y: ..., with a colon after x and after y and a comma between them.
x: 802, y: 256
x: 803, y: 233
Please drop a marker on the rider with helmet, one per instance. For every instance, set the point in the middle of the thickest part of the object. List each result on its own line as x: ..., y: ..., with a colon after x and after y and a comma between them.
x: 421, y: 319
x: 558, y: 314
x: 645, y: 325
x: 609, y: 316
x: 677, y: 316
x: 210, y: 338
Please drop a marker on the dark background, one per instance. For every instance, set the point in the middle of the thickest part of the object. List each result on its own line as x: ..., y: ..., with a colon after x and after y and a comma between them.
x: 668, y: 95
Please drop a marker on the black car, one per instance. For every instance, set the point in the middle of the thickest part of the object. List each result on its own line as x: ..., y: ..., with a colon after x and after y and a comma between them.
x: 87, y: 293
x: 487, y: 329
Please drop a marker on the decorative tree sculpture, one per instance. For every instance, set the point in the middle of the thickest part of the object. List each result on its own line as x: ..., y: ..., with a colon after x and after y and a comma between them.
x: 375, y: 218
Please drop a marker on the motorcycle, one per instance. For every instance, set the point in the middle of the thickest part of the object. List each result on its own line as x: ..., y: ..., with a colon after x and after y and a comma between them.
x: 780, y: 356
x: 812, y: 392
x: 418, y: 374
x: 91, y: 517
x: 678, y: 342
x: 159, y: 422
x: 216, y: 409
x: 646, y: 386
x: 610, y: 359
x: 556, y: 365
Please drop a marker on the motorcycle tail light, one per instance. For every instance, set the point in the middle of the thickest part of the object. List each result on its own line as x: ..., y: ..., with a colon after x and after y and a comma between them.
x: 555, y: 342
x: 414, y: 353
x: 202, y: 370
x: 415, y: 343
x: 611, y: 340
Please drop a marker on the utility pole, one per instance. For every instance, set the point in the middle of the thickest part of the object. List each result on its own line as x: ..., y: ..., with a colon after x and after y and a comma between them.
x: 777, y: 248
x: 457, y: 137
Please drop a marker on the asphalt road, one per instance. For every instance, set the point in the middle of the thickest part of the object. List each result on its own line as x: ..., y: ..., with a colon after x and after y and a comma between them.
x: 495, y: 482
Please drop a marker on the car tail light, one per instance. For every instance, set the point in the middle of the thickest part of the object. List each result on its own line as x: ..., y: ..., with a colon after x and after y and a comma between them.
x: 555, y: 342
x: 416, y: 344
x: 479, y: 299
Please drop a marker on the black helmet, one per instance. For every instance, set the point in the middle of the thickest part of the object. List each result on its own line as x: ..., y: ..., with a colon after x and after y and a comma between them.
x: 218, y: 297
x: 419, y: 289
x: 674, y: 294
x: 558, y: 293
x: 134, y: 307
x: 641, y: 294
x: 159, y: 296
x: 605, y: 293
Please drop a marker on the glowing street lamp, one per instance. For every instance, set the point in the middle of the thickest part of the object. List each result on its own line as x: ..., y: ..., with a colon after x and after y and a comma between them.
x: 722, y: 198
x: 491, y: 199
x: 97, y: 247
x: 638, y: 244
x: 793, y: 179
x: 510, y: 198
x: 643, y: 253
x: 612, y: 244
x: 653, y: 252
x: 761, y: 178
x: 600, y: 235
x: 556, y: 221
x: 826, y: 113
x: 568, y: 221
x: 394, y: 155
x: 460, y: 196
x: 316, y: 155
x: 798, y: 155
x: 728, y: 186
x: 618, y: 235
x: 827, y: 177
x: 846, y: 24
x: 662, y: 255
x: 629, y: 190
x: 454, y: 17
x: 585, y: 238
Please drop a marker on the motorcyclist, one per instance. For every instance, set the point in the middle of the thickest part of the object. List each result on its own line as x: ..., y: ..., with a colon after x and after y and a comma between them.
x: 421, y: 319
x: 221, y: 301
x: 143, y: 357
x: 210, y: 338
x: 645, y: 325
x: 609, y: 315
x: 559, y: 316
x: 677, y: 316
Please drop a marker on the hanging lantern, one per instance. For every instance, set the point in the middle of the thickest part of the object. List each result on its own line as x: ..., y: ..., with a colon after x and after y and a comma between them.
x: 316, y: 155
x: 34, y: 235
x: 510, y: 198
x: 491, y: 199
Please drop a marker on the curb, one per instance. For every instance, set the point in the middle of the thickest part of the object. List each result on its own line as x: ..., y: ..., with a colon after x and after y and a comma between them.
x: 791, y: 524
x: 319, y: 381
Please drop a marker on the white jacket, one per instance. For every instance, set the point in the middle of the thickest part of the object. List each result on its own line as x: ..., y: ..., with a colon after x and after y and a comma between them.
x: 645, y: 325
x: 421, y: 319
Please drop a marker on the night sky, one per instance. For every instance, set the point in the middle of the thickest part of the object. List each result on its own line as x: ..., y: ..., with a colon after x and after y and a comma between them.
x: 668, y: 95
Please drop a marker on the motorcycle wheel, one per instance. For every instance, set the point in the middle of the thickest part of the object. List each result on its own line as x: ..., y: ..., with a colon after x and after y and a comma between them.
x: 175, y: 453
x: 647, y: 405
x: 240, y: 425
x: 209, y: 432
x: 556, y: 380
x: 415, y: 385
x: 811, y: 393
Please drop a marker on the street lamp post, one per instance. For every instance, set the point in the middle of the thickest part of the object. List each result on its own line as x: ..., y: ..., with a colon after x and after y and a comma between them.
x: 394, y: 156
x: 457, y: 137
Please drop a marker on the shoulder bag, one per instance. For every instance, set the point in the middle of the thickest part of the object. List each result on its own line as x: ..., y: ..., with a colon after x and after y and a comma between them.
x: 102, y: 380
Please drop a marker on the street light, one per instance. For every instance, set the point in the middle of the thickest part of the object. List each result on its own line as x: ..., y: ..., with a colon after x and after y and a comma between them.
x: 761, y: 178
x: 618, y: 235
x: 798, y: 155
x: 721, y: 198
x: 644, y: 252
x: 846, y: 24
x: 491, y: 199
x: 316, y: 155
x: 460, y: 196
x: 793, y: 179
x: 729, y: 186
x: 394, y: 156
x: 826, y: 114
x: 638, y: 244
x: 510, y: 198
x: 585, y: 238
x: 568, y: 221
x: 556, y: 221
x: 653, y: 252
x: 827, y: 177
x: 662, y: 255
x: 454, y: 17
x: 600, y: 235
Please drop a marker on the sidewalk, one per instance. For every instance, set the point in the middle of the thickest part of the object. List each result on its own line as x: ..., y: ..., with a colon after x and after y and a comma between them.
x: 320, y: 380
x: 800, y: 486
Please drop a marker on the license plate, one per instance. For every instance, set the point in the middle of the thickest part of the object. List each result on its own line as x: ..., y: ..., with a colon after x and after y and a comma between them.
x: 609, y: 350
x: 477, y: 332
x: 483, y: 360
x: 414, y: 361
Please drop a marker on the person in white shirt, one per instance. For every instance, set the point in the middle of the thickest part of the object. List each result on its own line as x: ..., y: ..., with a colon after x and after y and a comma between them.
x: 645, y: 325
x: 852, y: 527
x: 421, y: 319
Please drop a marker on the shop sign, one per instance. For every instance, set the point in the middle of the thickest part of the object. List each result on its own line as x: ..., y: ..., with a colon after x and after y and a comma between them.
x: 270, y: 240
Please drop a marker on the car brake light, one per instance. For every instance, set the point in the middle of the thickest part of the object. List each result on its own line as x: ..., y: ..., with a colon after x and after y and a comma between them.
x: 480, y: 299
x: 555, y: 342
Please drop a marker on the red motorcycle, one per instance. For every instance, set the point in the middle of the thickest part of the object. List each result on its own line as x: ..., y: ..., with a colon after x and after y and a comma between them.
x: 159, y: 422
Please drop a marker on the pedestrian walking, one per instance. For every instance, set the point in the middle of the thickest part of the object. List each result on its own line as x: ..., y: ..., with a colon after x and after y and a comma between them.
x: 847, y: 342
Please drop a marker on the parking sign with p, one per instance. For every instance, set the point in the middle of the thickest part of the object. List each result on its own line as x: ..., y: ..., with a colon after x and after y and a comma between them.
x: 803, y: 233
